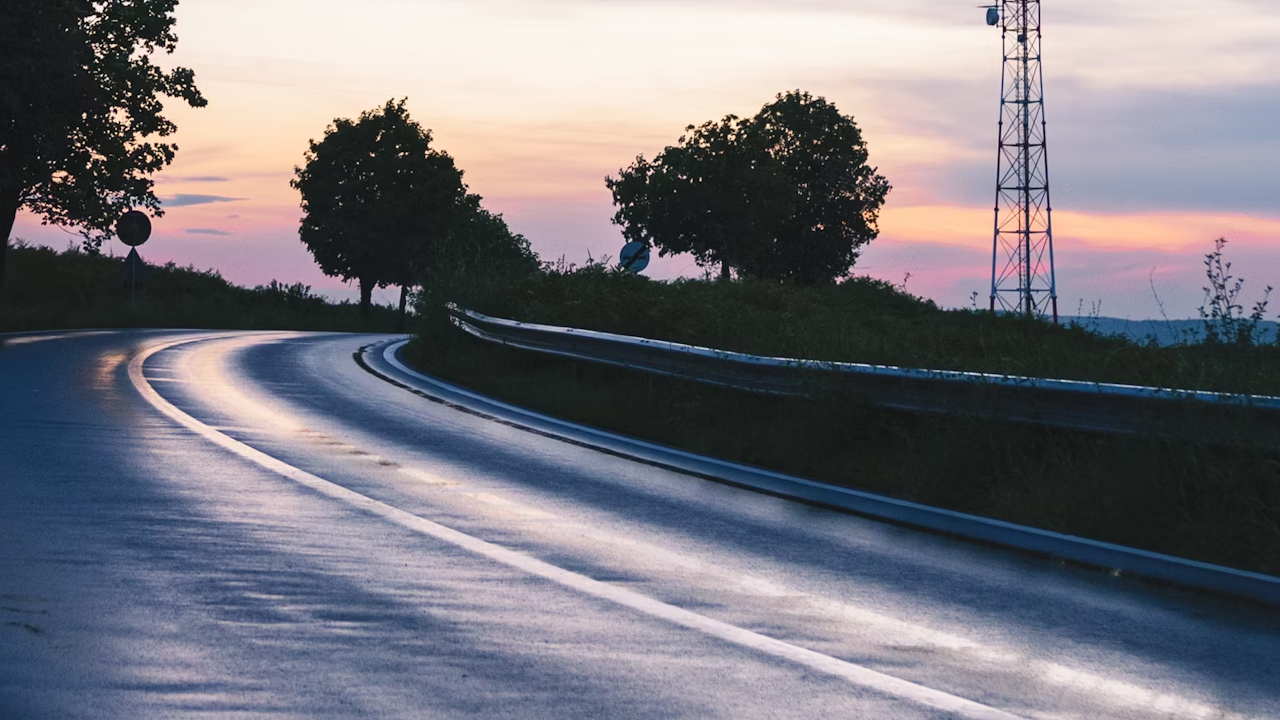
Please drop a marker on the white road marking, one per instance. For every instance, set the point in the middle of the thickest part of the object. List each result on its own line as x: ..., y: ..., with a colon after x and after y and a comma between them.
x: 893, y: 633
x: 1115, y: 692
x: 853, y: 673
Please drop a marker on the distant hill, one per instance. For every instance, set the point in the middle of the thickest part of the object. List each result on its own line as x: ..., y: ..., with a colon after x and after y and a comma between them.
x: 1165, y: 332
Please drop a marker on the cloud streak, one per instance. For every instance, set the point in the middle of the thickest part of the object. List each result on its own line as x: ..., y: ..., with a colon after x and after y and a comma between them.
x: 187, y: 200
x: 206, y: 231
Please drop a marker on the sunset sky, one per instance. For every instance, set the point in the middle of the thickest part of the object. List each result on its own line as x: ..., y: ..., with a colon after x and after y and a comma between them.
x: 1164, y: 124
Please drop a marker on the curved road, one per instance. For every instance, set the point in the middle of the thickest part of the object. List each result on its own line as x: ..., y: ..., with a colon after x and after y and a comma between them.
x: 251, y: 525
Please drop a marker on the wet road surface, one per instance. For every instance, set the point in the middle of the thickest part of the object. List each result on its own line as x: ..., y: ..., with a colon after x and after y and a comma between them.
x: 253, y: 526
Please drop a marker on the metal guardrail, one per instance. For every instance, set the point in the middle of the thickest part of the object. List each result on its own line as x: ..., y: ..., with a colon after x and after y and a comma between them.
x: 1071, y: 404
x: 382, y: 360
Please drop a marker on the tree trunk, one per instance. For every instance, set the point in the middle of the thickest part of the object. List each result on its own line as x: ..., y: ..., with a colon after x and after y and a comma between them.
x: 366, y: 297
x: 724, y: 272
x: 404, y: 300
x: 9, y: 203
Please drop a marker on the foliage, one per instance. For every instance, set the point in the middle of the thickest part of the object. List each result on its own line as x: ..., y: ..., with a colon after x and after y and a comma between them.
x: 1209, y: 492
x: 717, y: 194
x: 840, y: 196
x: 79, y: 102
x: 478, y: 258
x: 864, y: 320
x: 1187, y: 498
x: 785, y: 195
x: 1194, y: 495
x: 486, y: 245
x: 1224, y: 318
x: 75, y: 289
x: 375, y: 195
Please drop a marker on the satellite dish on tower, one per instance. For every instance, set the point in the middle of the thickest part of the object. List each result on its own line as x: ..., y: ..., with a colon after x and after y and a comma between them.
x: 993, y: 14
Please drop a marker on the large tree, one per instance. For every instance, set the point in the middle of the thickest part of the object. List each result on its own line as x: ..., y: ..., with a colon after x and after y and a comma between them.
x: 785, y: 195
x: 717, y: 194
x: 80, y: 101
x: 375, y: 196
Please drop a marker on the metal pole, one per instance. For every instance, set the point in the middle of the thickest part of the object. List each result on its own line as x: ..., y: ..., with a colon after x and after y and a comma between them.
x: 995, y: 248
x: 1048, y: 203
x: 1024, y: 152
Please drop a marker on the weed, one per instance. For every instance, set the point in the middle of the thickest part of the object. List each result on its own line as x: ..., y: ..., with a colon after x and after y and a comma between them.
x: 1224, y: 318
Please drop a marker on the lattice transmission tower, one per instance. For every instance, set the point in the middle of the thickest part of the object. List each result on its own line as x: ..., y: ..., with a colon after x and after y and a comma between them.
x: 1022, y: 272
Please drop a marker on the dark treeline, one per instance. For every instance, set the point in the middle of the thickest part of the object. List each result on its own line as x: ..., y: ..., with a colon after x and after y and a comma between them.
x: 48, y: 289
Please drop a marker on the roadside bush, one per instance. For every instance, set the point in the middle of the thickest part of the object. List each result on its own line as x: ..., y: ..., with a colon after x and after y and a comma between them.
x: 859, y: 320
x: 1211, y: 501
x: 47, y: 289
x: 1211, y: 494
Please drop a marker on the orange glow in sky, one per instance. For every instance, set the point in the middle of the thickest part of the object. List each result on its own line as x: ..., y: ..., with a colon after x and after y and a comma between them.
x: 540, y: 99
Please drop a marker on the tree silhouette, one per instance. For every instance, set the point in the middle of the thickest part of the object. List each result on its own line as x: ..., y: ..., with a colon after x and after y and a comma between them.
x: 838, y: 196
x: 480, y: 243
x: 375, y: 196
x: 784, y: 195
x: 478, y: 258
x: 79, y: 100
x: 717, y: 195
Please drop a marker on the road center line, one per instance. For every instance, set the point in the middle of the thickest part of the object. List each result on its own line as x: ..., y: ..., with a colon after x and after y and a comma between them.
x: 855, y: 674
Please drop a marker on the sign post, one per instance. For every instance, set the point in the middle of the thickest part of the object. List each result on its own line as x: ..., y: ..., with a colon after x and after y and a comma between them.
x: 133, y: 228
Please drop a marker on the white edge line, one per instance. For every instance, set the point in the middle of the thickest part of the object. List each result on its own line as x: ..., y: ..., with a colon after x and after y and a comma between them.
x: 1180, y: 572
x: 854, y: 674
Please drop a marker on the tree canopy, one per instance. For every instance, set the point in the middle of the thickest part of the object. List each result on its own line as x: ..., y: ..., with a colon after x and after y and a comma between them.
x: 718, y: 194
x: 479, y: 257
x: 375, y: 195
x: 80, y: 101
x: 784, y: 195
x: 480, y: 243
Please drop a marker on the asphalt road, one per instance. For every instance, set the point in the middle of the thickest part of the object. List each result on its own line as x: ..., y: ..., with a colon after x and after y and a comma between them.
x: 251, y: 525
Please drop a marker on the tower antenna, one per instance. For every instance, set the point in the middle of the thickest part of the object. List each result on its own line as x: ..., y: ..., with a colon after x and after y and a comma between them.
x: 1022, y: 272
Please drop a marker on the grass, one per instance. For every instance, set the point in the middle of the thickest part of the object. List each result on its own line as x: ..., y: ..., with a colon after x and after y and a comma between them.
x: 1191, y: 497
x: 869, y: 321
x: 45, y: 289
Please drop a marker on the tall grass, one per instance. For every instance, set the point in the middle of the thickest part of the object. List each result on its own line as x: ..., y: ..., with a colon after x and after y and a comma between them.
x: 1195, y: 496
x: 870, y: 321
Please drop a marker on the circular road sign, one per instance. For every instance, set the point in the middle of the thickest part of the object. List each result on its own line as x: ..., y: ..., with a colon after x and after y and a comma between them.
x: 133, y: 228
x: 634, y: 257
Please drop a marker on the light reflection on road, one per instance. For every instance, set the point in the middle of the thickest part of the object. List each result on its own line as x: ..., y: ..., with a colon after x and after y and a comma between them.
x: 848, y: 630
